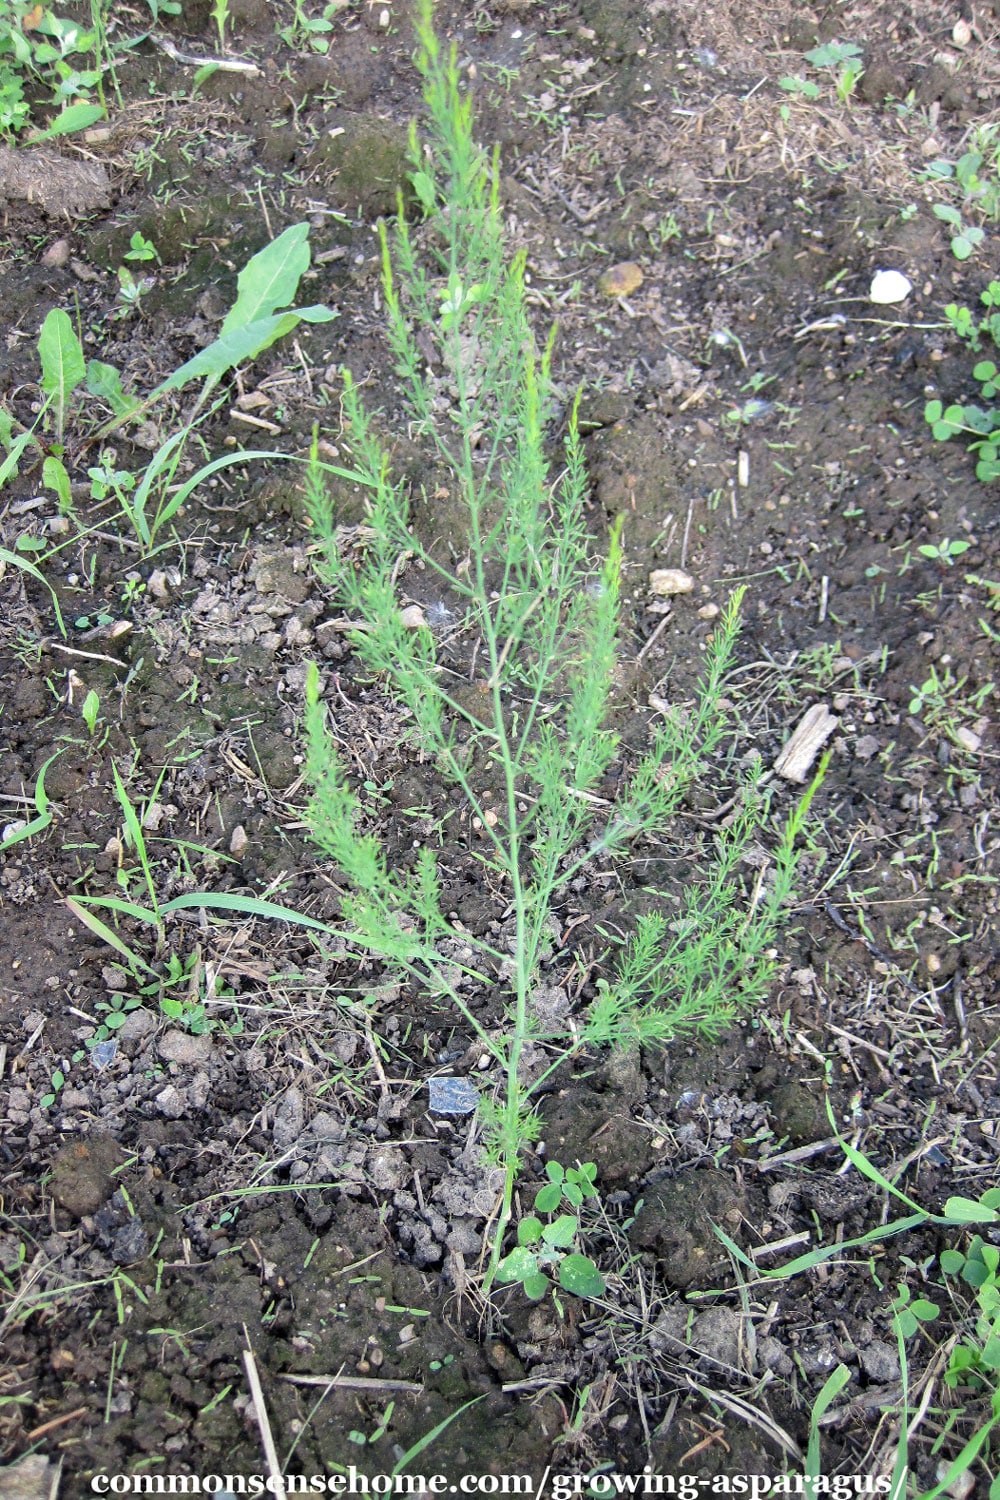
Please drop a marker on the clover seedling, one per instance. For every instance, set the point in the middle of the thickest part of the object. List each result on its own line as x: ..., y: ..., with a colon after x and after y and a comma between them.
x: 542, y: 1247
x: 910, y: 1313
x: 976, y: 1359
x: 141, y: 249
x: 966, y: 236
x: 572, y: 1183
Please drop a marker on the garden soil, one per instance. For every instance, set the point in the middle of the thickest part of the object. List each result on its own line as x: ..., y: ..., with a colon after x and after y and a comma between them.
x: 276, y: 1193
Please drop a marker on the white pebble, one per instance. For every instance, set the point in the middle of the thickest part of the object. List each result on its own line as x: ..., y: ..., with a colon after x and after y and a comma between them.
x: 890, y: 286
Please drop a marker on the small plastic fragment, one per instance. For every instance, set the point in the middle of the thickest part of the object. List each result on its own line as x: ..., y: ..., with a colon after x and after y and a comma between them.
x: 453, y: 1096
x: 103, y: 1054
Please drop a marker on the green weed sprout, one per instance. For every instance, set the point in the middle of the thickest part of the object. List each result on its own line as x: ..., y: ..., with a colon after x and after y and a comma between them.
x: 529, y: 756
x: 260, y: 315
x: 38, y: 47
x: 980, y: 423
x: 541, y: 1247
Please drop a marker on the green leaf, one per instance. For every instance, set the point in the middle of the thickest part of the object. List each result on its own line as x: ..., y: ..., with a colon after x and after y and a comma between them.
x: 536, y: 1285
x: 529, y: 1231
x: 11, y: 464
x: 832, y: 54
x: 517, y: 1266
x: 947, y: 213
x: 78, y: 116
x: 239, y: 344
x: 108, y: 935
x: 202, y: 75
x: 423, y: 186
x: 554, y: 1171
x: 270, y: 279
x: 984, y: 370
x: 803, y: 86
x: 960, y: 247
x: 55, y: 478
x: 28, y: 567
x: 951, y: 1262
x: 933, y: 411
x: 968, y: 1211
x: 63, y: 365
x: 547, y: 1197
x: 579, y: 1275
x: 105, y: 382
x: 561, y: 1232
x: 434, y: 1433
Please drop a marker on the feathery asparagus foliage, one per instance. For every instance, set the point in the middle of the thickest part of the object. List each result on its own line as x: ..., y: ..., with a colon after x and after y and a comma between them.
x: 546, y: 613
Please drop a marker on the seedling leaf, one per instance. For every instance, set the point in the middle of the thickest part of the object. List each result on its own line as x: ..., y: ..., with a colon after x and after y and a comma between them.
x: 579, y: 1275
x: 270, y: 279
x: 244, y: 342
x: 560, y: 1233
x: 63, y: 364
x: 969, y: 1211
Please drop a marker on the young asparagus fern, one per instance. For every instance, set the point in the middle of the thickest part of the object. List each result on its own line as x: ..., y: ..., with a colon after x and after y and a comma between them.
x: 530, y: 757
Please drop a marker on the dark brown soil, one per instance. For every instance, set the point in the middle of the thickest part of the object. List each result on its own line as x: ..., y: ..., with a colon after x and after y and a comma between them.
x: 278, y: 1182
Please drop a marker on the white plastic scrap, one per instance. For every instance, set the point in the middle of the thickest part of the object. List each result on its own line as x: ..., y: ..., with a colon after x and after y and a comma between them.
x: 889, y: 287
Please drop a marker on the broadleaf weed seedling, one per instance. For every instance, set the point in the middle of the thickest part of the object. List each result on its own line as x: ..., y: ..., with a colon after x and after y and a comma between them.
x: 546, y: 615
x: 980, y: 423
x: 841, y: 59
x: 974, y: 1364
x: 39, y: 46
x: 149, y: 500
x: 543, y: 1247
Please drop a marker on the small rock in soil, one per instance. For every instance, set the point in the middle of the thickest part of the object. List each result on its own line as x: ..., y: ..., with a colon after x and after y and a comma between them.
x: 880, y: 1361
x: 181, y: 1047
x: 81, y: 1174
x: 57, y: 254
x: 797, y: 1114
x: 772, y: 1355
x: 137, y: 1024
x: 26, y: 1480
x: 668, y: 581
x: 289, y: 1119
x: 717, y: 1335
x: 621, y: 280
x: 131, y: 1243
x: 171, y: 1103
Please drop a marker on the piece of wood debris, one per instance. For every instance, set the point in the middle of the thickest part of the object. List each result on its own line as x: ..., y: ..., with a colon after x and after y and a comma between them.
x: 815, y: 728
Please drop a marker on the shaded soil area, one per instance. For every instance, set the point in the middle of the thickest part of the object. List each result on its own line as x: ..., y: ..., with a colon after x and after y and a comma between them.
x: 271, y: 1174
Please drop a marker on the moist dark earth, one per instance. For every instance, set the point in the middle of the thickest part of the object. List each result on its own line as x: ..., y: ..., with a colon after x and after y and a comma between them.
x: 277, y: 1182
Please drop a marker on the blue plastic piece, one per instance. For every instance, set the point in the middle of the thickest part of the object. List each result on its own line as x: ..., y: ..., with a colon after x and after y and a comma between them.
x: 104, y: 1053
x: 453, y: 1096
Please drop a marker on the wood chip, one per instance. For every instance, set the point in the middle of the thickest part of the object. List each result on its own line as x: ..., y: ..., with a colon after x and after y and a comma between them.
x: 796, y: 758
